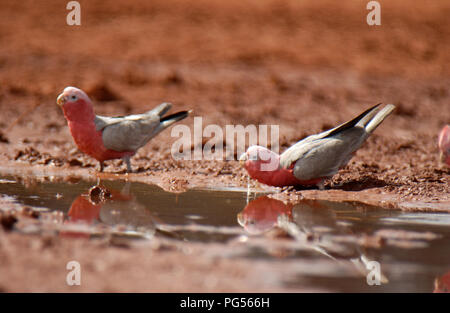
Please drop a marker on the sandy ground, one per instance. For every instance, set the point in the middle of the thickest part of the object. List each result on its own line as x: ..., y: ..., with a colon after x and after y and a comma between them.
x: 153, y: 267
x: 305, y: 66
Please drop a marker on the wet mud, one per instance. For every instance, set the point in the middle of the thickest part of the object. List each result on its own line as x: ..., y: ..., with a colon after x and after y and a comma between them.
x: 326, y: 245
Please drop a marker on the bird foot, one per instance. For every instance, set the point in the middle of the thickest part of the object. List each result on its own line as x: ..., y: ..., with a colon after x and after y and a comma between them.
x: 288, y: 189
x: 321, y: 185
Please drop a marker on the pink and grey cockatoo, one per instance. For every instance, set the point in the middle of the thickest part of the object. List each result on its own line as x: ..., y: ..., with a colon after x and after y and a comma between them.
x: 316, y: 157
x: 444, y: 144
x: 107, y: 138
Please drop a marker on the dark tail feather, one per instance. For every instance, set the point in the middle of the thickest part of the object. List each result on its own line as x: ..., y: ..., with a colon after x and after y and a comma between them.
x: 353, y: 122
x: 175, y: 117
x: 168, y: 120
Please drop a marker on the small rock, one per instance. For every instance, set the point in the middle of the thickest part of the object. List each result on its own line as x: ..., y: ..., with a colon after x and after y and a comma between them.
x: 3, y: 138
x: 8, y: 220
x: 75, y: 162
x: 102, y: 92
x: 29, y: 212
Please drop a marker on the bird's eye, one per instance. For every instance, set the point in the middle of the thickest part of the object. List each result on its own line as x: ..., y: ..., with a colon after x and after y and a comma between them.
x: 253, y: 157
x: 73, y: 97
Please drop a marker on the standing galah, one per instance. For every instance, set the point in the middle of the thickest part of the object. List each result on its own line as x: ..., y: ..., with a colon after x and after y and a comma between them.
x: 316, y: 157
x: 107, y: 138
x: 444, y: 144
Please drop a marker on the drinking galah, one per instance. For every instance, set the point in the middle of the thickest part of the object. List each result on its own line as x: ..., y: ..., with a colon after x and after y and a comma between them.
x: 317, y: 157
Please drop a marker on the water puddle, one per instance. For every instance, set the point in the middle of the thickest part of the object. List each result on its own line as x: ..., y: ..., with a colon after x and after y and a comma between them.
x: 322, y: 244
x: 132, y: 208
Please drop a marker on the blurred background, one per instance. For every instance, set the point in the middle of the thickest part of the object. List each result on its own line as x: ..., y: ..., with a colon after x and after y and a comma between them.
x: 237, y: 61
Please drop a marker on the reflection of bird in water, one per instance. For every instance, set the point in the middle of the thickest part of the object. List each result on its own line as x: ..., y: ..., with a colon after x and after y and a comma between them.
x: 82, y: 211
x: 110, y: 207
x: 122, y: 208
x: 442, y: 284
x: 85, y: 210
x: 312, y: 222
x: 261, y: 215
x: 320, y: 218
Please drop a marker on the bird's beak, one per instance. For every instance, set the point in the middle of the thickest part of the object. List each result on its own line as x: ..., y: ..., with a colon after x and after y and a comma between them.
x: 240, y: 219
x: 243, y: 158
x: 61, y: 100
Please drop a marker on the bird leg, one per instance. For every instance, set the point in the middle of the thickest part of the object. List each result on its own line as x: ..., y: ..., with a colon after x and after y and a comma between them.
x: 321, y: 185
x: 127, y: 161
x: 288, y: 189
x: 101, y: 166
x: 126, y: 188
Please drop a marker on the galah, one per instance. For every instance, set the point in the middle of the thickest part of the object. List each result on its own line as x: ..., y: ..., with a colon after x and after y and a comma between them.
x: 106, y: 138
x: 442, y: 284
x: 444, y: 144
x: 317, y: 157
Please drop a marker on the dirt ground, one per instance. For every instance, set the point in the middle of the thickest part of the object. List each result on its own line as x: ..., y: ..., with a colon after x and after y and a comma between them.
x: 303, y: 65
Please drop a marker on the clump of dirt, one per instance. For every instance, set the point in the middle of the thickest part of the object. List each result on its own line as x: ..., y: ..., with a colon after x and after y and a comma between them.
x: 30, y: 212
x: 3, y: 138
x: 7, y: 220
x: 75, y: 162
x: 102, y: 92
x: 173, y: 78
x: 33, y: 156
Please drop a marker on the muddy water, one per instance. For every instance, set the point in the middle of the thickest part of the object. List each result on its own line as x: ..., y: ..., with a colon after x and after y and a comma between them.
x: 196, y: 215
x: 324, y: 245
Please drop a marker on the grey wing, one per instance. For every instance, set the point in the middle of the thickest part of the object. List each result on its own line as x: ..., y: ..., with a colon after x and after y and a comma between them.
x: 323, y: 157
x: 102, y: 121
x: 298, y: 150
x: 130, y: 133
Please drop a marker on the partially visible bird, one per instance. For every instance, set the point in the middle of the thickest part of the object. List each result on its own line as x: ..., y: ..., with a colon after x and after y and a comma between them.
x: 317, y: 157
x: 444, y: 144
x: 442, y: 284
x: 107, y: 138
